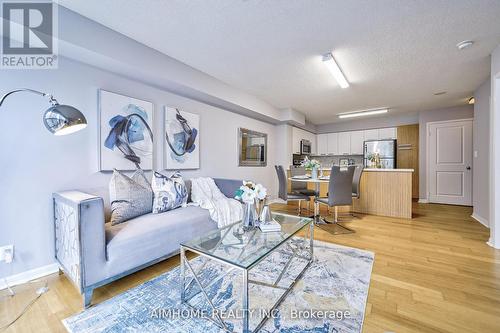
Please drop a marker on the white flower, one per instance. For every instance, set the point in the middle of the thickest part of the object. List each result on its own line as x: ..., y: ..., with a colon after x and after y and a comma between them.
x: 260, y: 192
x: 248, y: 184
x: 248, y: 196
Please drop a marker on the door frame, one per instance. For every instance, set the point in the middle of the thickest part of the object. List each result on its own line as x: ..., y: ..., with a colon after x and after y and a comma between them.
x: 494, y: 213
x: 427, y: 151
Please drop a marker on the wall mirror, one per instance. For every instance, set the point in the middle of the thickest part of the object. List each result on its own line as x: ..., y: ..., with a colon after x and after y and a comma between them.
x: 252, y: 148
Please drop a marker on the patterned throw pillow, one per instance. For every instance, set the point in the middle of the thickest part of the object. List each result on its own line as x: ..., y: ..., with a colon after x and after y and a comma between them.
x: 130, y: 196
x: 169, y: 192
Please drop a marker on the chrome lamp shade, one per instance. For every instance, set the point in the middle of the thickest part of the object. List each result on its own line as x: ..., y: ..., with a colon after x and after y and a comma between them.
x: 63, y: 119
x: 58, y: 119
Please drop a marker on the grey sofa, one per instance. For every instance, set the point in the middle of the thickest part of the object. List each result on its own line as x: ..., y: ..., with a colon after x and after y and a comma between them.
x: 93, y: 253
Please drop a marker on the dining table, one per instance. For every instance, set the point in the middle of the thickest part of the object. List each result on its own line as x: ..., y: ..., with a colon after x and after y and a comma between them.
x: 316, y: 181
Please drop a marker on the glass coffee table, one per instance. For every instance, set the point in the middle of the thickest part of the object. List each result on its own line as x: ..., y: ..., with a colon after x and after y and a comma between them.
x: 243, y: 251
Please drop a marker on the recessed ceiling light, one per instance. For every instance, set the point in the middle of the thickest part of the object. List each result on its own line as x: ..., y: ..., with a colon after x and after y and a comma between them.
x: 464, y: 44
x: 334, y: 68
x: 440, y: 93
x: 362, y: 113
x: 472, y: 100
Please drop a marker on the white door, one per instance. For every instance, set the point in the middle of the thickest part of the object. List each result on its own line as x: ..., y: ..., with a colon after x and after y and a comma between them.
x: 450, y: 162
x: 357, y: 141
x: 344, y: 143
x: 333, y: 143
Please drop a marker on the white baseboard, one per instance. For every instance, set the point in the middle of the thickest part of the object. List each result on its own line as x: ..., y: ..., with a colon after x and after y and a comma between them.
x: 480, y: 219
x: 492, y: 244
x: 27, y: 276
x: 423, y: 200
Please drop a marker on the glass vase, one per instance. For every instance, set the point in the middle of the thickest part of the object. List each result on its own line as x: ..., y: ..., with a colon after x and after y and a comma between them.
x: 249, y: 216
x: 314, y: 173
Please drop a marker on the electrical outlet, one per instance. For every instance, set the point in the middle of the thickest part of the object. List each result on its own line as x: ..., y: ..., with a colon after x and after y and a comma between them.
x: 7, y: 253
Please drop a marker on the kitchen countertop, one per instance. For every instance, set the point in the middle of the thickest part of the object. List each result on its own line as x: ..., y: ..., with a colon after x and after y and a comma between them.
x: 376, y: 170
x: 388, y: 170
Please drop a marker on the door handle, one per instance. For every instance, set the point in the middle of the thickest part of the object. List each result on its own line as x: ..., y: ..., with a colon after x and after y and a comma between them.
x: 468, y: 168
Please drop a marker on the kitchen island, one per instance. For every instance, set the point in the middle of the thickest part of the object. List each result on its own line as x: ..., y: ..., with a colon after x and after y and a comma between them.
x: 383, y: 192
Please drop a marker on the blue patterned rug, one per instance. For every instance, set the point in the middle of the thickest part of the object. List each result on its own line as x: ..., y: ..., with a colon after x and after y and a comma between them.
x: 330, y: 297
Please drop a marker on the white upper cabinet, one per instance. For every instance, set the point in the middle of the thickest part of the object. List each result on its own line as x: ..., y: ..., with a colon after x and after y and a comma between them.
x: 322, y: 144
x: 344, y: 143
x: 333, y: 143
x: 387, y: 133
x: 381, y: 133
x: 357, y: 142
x: 371, y: 134
x: 298, y: 135
x: 295, y: 145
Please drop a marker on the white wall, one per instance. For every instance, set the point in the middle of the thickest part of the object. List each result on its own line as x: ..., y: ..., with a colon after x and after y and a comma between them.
x: 34, y: 163
x: 459, y: 112
x: 284, y: 139
x: 495, y: 150
x: 481, y: 161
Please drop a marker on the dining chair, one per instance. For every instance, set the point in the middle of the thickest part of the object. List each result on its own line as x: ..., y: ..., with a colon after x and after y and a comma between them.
x: 300, y: 187
x: 340, y: 193
x: 356, y: 179
x: 283, y: 189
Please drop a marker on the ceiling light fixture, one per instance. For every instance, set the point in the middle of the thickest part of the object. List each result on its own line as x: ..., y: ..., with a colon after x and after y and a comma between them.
x: 464, y: 44
x: 334, y: 68
x: 439, y: 93
x: 472, y: 100
x: 362, y: 113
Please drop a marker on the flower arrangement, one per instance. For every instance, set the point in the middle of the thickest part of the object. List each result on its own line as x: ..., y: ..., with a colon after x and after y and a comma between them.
x: 249, y: 192
x: 310, y: 164
x: 375, y: 159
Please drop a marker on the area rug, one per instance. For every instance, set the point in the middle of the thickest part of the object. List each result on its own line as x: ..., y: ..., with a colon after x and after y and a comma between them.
x: 330, y: 297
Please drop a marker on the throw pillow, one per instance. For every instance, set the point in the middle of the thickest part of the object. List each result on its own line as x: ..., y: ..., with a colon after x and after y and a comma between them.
x: 168, y: 192
x: 130, y: 196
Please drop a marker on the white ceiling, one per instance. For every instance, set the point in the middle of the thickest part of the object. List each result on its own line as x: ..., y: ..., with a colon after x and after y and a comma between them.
x: 395, y: 53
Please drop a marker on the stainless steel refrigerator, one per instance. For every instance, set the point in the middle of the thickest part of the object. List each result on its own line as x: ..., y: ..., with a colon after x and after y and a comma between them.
x: 386, y: 150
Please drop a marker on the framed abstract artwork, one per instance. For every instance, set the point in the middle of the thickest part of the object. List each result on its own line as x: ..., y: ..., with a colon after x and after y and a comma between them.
x: 181, y: 140
x: 125, y: 132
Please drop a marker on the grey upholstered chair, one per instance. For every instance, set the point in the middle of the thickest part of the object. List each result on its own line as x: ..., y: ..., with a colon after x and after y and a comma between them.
x: 356, y: 179
x: 355, y: 189
x: 283, y: 191
x: 300, y: 187
x: 339, y: 192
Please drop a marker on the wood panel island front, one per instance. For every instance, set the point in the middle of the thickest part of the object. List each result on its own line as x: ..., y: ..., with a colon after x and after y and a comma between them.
x: 383, y: 192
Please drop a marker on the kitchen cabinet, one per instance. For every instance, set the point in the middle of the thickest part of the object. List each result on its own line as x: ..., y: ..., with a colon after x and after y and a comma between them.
x: 380, y: 133
x: 357, y: 142
x: 300, y: 134
x: 344, y: 143
x: 387, y: 133
x: 407, y: 157
x: 296, y: 145
x: 350, y: 142
x: 333, y: 143
x: 371, y: 134
x: 322, y: 144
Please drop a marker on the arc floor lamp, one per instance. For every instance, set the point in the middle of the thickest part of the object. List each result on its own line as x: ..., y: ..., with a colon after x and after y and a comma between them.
x: 59, y: 119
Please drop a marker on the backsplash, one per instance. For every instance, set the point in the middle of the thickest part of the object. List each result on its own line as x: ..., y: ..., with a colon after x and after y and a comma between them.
x: 328, y: 161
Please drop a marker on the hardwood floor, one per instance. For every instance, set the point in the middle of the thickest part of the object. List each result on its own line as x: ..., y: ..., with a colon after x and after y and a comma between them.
x: 433, y: 273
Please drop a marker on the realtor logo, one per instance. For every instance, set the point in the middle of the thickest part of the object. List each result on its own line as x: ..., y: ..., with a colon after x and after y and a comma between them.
x: 28, y: 35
